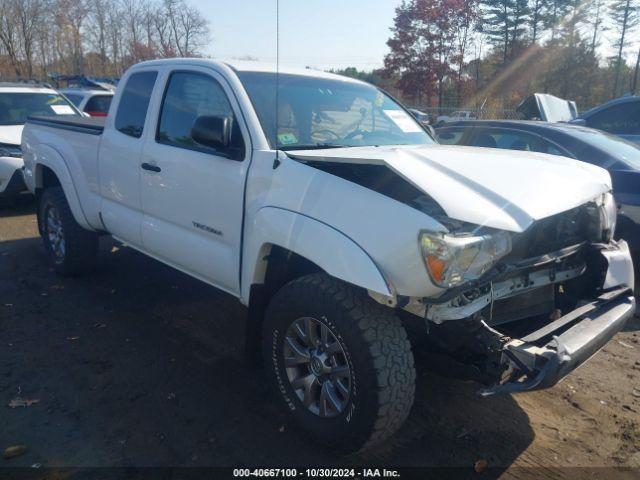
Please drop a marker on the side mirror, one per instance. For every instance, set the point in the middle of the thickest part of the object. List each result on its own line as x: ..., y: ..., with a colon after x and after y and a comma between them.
x: 212, y: 132
x: 579, y: 121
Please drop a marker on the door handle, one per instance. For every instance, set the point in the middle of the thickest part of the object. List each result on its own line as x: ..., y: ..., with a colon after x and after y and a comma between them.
x: 151, y: 167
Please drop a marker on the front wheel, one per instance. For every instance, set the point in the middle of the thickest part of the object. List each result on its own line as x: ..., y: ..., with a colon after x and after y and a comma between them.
x: 70, y: 249
x: 341, y: 363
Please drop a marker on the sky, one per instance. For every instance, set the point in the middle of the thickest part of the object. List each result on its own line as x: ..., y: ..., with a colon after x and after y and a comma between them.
x: 320, y: 34
x: 315, y: 33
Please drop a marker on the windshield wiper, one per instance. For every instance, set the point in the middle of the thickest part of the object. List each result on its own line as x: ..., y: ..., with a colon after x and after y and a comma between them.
x: 313, y: 146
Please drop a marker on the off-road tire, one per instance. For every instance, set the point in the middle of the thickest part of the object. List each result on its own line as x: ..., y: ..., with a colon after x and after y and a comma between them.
x: 378, y: 352
x: 81, y: 246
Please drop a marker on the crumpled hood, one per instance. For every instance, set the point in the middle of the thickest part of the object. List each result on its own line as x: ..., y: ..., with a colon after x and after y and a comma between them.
x: 11, y: 134
x: 503, y: 189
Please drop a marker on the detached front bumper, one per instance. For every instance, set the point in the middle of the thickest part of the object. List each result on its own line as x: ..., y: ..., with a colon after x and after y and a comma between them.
x: 542, y: 358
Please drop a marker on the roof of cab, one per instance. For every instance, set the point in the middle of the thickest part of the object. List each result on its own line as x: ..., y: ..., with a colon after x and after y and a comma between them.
x: 249, y: 66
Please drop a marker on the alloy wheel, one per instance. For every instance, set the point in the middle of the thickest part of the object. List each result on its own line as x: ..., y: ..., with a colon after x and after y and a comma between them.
x: 317, y: 367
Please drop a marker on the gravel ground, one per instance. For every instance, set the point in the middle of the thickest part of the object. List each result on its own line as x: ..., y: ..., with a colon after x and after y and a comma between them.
x: 139, y: 365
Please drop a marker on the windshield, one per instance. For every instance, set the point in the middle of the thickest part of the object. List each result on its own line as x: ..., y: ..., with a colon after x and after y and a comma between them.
x: 323, y: 113
x: 16, y: 107
x: 627, y: 154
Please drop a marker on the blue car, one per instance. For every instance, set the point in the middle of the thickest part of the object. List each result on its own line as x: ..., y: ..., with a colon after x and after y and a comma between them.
x: 620, y: 117
x: 620, y: 157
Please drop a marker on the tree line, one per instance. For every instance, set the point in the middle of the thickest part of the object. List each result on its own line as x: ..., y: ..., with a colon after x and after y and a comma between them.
x: 41, y: 38
x: 494, y: 52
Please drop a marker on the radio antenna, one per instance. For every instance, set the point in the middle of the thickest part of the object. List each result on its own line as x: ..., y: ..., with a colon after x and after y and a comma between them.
x: 276, y: 161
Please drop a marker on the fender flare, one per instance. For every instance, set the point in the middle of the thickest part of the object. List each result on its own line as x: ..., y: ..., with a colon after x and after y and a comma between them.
x: 50, y: 158
x: 328, y: 248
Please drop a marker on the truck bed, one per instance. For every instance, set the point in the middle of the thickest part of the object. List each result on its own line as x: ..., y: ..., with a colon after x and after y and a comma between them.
x: 89, y: 125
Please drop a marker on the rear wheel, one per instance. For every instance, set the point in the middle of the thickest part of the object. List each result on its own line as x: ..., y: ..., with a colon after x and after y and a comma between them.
x: 70, y: 249
x: 341, y: 363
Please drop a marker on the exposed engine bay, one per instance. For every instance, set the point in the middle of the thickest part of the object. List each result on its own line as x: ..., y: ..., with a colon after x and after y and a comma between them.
x: 381, y: 179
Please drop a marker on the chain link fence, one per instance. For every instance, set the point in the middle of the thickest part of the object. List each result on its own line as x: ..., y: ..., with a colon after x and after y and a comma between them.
x: 449, y: 113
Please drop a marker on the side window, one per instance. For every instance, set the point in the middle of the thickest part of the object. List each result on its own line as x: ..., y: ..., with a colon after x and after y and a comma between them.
x: 545, y: 146
x: 505, y: 139
x: 449, y: 136
x: 134, y: 102
x: 621, y: 119
x: 190, y: 95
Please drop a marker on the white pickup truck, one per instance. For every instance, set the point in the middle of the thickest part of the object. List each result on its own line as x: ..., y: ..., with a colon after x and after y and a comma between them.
x: 323, y: 206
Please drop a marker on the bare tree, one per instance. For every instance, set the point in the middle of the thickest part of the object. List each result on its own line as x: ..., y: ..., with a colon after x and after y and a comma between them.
x: 97, y: 31
x: 115, y: 29
x: 163, y: 32
x: 28, y: 16
x: 9, y: 35
x: 103, y: 37
x: 190, y: 30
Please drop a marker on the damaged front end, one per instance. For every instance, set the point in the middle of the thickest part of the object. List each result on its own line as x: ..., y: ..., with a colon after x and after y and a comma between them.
x: 536, y: 316
x: 520, y: 290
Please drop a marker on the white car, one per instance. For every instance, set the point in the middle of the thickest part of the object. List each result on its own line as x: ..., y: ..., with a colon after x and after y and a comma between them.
x: 94, y: 103
x: 458, y: 116
x: 17, y: 102
x: 329, y: 212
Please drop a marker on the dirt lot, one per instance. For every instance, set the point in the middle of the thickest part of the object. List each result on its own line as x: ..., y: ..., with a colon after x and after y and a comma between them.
x: 138, y: 365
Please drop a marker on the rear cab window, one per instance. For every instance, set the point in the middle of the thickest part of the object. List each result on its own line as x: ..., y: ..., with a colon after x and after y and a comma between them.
x: 134, y: 103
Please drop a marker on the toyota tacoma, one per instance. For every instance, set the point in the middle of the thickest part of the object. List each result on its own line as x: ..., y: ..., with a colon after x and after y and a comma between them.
x: 324, y: 207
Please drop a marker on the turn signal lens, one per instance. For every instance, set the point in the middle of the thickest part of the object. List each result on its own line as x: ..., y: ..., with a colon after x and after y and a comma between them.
x: 436, y: 267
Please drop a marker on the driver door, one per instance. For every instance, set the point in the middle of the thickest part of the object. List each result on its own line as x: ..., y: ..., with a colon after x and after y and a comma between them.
x: 192, y: 195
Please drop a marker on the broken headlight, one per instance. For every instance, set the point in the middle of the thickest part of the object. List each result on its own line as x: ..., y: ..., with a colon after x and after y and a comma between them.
x: 454, y: 259
x: 602, y: 216
x: 608, y: 216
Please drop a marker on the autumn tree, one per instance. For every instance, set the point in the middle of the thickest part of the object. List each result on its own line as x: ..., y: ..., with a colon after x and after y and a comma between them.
x: 428, y: 45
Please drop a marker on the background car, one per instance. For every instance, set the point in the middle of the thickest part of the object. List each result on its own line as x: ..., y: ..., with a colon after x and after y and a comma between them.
x: 457, y: 116
x: 17, y: 102
x: 93, y: 102
x: 620, y: 157
x: 620, y: 117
